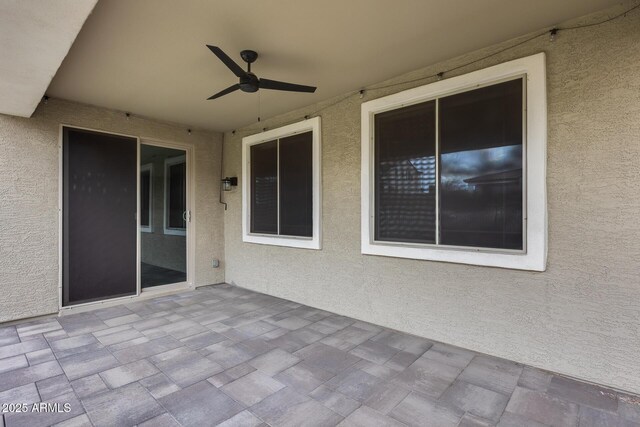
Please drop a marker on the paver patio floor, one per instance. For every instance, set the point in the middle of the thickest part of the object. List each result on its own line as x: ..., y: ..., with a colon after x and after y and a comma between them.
x: 222, y: 354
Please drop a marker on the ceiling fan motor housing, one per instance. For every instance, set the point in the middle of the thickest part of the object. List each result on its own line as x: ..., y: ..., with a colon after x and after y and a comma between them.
x: 249, y: 83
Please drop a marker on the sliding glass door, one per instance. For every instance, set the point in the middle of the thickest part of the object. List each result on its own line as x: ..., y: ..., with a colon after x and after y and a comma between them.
x: 163, y: 216
x: 99, y: 244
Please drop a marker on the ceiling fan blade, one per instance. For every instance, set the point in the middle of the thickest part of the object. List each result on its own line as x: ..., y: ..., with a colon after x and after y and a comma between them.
x: 291, y: 87
x: 230, y: 63
x: 224, y: 92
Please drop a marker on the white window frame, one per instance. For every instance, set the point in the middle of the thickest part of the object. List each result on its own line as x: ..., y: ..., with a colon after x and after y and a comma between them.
x: 313, y: 242
x: 144, y: 168
x: 534, y: 254
x: 170, y: 161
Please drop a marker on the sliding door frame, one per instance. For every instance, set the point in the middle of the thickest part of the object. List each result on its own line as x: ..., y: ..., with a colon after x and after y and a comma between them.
x: 190, y: 236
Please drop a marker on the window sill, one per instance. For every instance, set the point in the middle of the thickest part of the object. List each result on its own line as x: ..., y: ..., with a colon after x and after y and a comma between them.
x: 532, y: 260
x: 175, y: 232
x: 290, y: 241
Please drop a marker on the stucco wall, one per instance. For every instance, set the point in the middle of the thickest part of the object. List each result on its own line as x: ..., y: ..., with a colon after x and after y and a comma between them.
x: 29, y: 173
x: 582, y: 316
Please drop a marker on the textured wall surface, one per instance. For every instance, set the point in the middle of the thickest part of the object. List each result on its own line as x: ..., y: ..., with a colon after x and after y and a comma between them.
x: 29, y: 173
x: 582, y: 316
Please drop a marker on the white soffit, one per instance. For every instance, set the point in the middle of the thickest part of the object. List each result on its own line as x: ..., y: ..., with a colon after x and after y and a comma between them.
x: 35, y: 36
x: 148, y: 57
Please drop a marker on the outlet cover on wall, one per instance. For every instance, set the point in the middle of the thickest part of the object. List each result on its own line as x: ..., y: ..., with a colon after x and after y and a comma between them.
x: 216, y: 263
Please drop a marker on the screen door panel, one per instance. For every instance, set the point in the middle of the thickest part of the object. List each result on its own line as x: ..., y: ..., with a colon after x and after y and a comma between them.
x: 99, y: 216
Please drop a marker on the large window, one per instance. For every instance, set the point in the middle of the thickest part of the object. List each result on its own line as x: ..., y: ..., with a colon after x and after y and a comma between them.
x: 175, y: 215
x: 146, y: 198
x: 454, y: 171
x: 281, y: 181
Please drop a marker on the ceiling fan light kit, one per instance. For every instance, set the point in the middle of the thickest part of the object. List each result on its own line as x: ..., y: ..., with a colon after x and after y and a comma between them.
x: 248, y: 81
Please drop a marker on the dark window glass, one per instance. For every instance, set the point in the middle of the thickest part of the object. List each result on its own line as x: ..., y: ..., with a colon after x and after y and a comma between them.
x: 405, y: 174
x: 145, y: 198
x: 296, y: 185
x: 481, y: 167
x: 177, y: 195
x: 264, y: 188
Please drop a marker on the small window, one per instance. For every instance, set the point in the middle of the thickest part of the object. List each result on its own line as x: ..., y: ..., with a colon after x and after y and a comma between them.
x: 281, y: 182
x: 146, y: 194
x: 175, y: 169
x: 455, y: 171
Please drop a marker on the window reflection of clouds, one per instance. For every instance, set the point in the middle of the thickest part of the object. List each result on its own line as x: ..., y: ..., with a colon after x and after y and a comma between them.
x: 461, y: 165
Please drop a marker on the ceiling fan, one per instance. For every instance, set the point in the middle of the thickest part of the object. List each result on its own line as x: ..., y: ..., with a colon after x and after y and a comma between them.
x: 249, y: 82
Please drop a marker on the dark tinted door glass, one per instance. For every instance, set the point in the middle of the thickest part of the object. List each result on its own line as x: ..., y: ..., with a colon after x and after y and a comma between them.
x: 296, y: 183
x: 177, y: 195
x: 405, y: 174
x: 99, y: 216
x: 264, y: 188
x: 481, y: 167
x: 145, y: 198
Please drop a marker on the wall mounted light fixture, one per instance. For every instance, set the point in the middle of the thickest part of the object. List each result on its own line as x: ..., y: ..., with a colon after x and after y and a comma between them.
x: 229, y: 182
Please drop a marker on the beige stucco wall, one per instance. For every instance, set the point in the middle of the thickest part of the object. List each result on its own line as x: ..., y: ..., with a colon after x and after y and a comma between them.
x: 582, y: 316
x: 29, y: 174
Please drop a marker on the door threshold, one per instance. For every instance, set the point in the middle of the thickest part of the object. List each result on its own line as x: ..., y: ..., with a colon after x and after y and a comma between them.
x: 146, y: 294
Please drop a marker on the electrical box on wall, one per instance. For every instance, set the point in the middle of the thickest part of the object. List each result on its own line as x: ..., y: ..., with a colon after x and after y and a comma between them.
x: 216, y: 263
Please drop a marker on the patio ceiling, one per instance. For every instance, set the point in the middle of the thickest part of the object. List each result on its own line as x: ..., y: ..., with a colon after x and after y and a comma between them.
x: 35, y: 36
x: 148, y: 57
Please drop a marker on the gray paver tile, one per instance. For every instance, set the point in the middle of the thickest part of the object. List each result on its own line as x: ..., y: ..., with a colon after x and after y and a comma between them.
x: 336, y: 401
x: 590, y: 417
x: 53, y: 387
x: 164, y: 420
x: 159, y: 385
x: 231, y: 356
x: 23, y: 347
x: 428, y: 377
x: 37, y: 327
x: 79, y: 421
x: 357, y: 384
x: 147, y: 349
x: 122, y: 320
x: 243, y: 419
x: 188, y: 369
x: 273, y: 362
x: 367, y: 417
x: 12, y: 363
x: 326, y: 357
x: 88, y: 363
x: 40, y: 356
x: 27, y: 393
x: 231, y: 374
x: 416, y: 410
x: 492, y: 373
x: 126, y: 374
x: 534, y: 379
x: 87, y: 386
x: 374, y: 351
x: 133, y: 404
x: 449, y: 355
x: 252, y: 388
x: 476, y: 400
x: 386, y: 396
x: 543, y: 408
x: 200, y: 404
x: 584, y: 394
x: 47, y: 418
x: 304, y: 377
x: 30, y: 374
